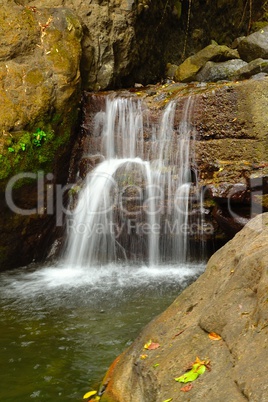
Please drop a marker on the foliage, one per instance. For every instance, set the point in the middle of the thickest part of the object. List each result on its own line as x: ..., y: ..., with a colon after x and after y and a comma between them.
x: 151, y: 345
x: 39, y: 137
x: 198, y: 368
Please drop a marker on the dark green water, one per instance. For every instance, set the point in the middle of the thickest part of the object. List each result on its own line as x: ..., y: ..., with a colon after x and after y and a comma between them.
x: 61, y: 328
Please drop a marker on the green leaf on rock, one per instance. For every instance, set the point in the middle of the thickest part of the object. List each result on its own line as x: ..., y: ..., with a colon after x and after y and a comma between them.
x: 198, y: 368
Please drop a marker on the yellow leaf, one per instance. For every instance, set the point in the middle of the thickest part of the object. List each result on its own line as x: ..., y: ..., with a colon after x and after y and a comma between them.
x: 143, y: 357
x: 214, y: 337
x: 198, y: 361
x: 146, y: 346
x: 89, y: 394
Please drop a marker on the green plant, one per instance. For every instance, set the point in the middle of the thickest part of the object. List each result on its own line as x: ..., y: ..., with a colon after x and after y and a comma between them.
x: 39, y: 137
x: 22, y: 146
x: 11, y: 149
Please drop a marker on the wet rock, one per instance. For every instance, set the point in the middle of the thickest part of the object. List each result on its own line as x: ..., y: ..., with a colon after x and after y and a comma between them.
x: 230, y: 220
x: 219, y: 71
x: 254, y: 46
x: 229, y: 299
x: 187, y: 71
x: 253, y: 67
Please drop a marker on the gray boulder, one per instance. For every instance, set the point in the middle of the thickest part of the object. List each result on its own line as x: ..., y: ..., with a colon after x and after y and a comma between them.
x: 219, y: 71
x: 254, y: 46
x: 253, y: 67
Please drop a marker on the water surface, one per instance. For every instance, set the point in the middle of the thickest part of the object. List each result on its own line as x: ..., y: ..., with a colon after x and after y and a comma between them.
x: 62, y: 327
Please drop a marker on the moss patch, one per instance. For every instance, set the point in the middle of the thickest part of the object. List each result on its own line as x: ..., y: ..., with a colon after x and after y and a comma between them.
x: 29, y: 151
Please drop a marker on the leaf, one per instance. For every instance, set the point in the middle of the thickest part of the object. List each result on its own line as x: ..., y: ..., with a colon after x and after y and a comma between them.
x: 188, y: 377
x: 214, y: 337
x: 151, y: 345
x: 89, y: 394
x: 198, y: 368
x: 187, y: 388
x: 155, y: 365
x: 147, y: 344
x: 143, y: 357
x: 168, y: 400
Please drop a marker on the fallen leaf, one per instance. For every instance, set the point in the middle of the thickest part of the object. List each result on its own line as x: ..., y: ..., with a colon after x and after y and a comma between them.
x: 187, y: 377
x: 155, y: 365
x: 151, y: 345
x: 198, y: 368
x: 147, y: 344
x: 143, y: 356
x: 214, y: 337
x: 168, y: 400
x: 187, y: 388
x: 89, y: 394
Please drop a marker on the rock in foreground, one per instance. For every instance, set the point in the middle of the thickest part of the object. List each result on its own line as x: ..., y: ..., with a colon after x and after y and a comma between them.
x: 230, y: 299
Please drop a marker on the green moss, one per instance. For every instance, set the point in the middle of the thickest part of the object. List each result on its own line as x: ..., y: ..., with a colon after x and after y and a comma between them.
x: 27, y: 157
x: 256, y: 26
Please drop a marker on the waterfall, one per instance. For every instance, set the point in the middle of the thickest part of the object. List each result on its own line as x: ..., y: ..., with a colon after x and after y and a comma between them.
x: 134, y: 206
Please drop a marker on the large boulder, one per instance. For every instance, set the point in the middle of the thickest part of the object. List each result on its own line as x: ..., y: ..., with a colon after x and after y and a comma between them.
x: 192, y: 65
x: 224, y: 70
x: 230, y: 300
x: 254, y: 46
x: 40, y: 90
x: 255, y: 66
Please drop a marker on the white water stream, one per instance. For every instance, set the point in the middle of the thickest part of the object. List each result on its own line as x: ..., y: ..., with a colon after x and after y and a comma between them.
x: 140, y: 192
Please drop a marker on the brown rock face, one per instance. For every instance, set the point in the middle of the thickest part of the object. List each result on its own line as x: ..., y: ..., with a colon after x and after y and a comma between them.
x: 127, y: 41
x: 40, y: 91
x: 230, y: 299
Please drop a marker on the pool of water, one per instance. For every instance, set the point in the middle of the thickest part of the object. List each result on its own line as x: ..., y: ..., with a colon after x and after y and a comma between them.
x: 62, y: 327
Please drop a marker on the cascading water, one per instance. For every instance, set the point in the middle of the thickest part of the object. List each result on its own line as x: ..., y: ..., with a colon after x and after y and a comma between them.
x: 62, y: 327
x: 134, y: 205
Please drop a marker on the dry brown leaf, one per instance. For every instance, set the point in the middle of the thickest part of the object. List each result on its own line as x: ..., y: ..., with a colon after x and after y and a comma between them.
x: 214, y: 337
x: 187, y: 388
x: 153, y: 346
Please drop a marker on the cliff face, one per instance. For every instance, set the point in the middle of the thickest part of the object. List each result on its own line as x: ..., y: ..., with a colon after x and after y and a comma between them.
x: 128, y: 41
x: 230, y: 300
x: 40, y: 93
